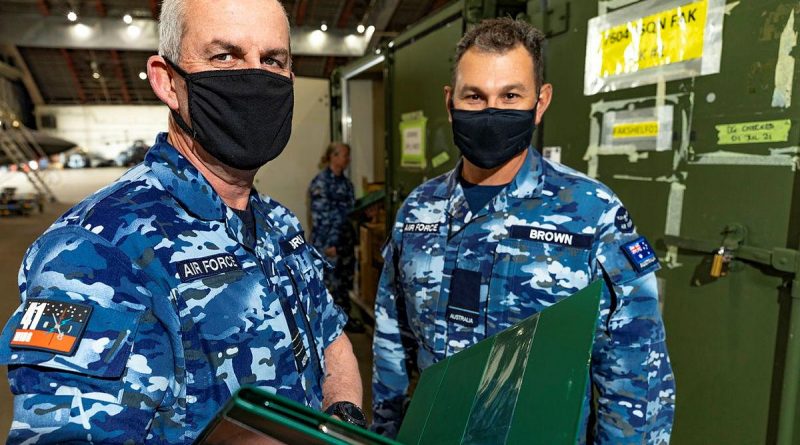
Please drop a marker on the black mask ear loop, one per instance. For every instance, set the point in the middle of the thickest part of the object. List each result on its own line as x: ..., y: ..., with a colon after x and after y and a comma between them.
x: 175, y: 115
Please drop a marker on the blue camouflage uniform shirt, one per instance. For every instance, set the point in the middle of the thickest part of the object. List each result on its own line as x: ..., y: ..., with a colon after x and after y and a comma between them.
x: 452, y: 277
x: 332, y: 199
x: 146, y: 305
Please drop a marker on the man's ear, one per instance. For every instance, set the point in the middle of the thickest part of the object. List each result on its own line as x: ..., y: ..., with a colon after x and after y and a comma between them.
x: 545, y: 96
x: 161, y: 82
x: 448, y: 97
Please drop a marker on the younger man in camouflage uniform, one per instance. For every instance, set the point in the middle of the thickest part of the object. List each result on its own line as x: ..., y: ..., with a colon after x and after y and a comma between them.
x: 508, y: 233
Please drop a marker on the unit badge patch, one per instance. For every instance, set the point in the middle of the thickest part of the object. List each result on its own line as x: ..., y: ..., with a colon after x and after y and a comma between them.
x: 623, y: 220
x: 640, y: 254
x: 51, y: 326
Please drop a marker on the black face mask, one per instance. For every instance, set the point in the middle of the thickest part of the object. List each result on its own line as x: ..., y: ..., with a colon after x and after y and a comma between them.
x: 243, y: 118
x: 490, y: 137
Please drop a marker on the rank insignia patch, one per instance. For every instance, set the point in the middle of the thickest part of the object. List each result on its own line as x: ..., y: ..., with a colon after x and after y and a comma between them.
x: 640, y: 254
x: 51, y: 326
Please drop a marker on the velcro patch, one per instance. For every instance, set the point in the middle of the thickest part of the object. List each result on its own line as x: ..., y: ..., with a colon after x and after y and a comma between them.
x: 52, y: 326
x: 640, y: 254
x: 292, y: 243
x: 197, y: 268
x: 465, y: 292
x: 551, y: 236
x: 417, y: 227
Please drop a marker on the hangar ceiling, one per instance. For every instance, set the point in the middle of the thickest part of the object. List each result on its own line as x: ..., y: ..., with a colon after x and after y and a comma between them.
x: 98, y: 55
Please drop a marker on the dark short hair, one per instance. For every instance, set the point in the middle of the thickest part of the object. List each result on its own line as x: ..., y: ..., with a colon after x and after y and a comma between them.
x: 501, y: 35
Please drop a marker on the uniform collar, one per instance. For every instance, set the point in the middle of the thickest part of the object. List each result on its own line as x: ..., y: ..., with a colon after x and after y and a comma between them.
x: 183, y: 181
x: 528, y: 182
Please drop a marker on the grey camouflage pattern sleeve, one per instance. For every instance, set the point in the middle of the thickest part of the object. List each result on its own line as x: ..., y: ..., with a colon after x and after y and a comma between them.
x: 390, y: 378
x: 630, y: 364
x: 122, y: 369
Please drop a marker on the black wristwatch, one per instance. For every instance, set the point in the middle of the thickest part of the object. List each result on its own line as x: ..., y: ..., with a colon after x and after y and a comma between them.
x: 348, y: 412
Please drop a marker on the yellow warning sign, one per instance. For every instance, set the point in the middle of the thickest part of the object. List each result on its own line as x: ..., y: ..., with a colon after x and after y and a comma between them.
x: 635, y: 130
x: 754, y: 132
x: 670, y: 36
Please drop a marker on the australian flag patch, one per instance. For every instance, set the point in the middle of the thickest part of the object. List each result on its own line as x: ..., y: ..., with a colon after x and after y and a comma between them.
x: 640, y: 254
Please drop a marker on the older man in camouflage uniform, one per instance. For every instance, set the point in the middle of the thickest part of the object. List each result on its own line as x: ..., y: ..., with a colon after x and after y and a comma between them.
x: 508, y: 233
x: 149, y: 303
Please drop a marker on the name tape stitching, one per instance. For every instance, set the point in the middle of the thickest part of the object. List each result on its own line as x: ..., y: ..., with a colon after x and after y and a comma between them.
x: 194, y: 269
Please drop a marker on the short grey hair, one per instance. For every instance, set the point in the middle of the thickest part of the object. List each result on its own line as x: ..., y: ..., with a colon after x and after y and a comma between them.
x: 171, y: 27
x: 500, y: 36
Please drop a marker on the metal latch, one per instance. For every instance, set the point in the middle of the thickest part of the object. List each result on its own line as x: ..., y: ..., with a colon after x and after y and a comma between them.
x: 733, y: 244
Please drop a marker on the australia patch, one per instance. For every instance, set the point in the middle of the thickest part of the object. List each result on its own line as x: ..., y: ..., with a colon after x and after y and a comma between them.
x: 418, y: 227
x: 197, y: 268
x: 52, y: 326
x: 623, y: 221
x: 640, y: 254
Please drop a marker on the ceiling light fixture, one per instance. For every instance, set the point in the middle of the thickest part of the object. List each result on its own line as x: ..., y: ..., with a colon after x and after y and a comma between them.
x: 142, y: 75
x: 71, y: 16
x: 323, y: 27
x: 96, y: 75
x: 360, y: 28
x: 127, y: 19
x: 134, y: 31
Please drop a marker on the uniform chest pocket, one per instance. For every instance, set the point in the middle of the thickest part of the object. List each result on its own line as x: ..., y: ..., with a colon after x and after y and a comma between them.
x: 421, y: 264
x: 528, y: 276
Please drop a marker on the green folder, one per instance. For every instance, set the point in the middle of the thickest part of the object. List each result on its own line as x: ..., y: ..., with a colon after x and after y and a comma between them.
x: 525, y: 385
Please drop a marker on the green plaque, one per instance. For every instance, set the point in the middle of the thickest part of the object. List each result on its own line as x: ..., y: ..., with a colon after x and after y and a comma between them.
x: 525, y: 385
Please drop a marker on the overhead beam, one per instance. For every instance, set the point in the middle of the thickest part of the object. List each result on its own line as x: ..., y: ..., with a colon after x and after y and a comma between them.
x: 379, y: 14
x: 9, y: 72
x: 154, y: 9
x: 43, y: 8
x: 120, y: 75
x: 74, y: 73
x: 100, y: 8
x: 110, y: 33
x: 27, y: 77
x: 344, y: 13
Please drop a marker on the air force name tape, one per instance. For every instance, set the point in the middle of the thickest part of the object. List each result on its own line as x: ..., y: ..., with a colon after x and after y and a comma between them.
x: 197, y: 268
x: 640, y: 254
x: 551, y: 236
x: 51, y: 326
x: 417, y: 227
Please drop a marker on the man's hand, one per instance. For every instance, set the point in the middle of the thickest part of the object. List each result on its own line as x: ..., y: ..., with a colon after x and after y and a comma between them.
x: 330, y: 251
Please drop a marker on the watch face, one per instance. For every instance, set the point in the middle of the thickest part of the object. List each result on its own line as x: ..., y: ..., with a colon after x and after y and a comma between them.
x: 353, y: 412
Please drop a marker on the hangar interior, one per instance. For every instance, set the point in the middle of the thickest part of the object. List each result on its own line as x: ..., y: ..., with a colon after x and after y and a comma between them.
x: 702, y: 143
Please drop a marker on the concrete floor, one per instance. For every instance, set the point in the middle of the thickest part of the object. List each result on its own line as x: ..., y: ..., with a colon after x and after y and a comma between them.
x: 17, y: 233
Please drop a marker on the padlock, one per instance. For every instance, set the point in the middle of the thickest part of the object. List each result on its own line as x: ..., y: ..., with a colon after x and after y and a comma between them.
x: 717, y: 263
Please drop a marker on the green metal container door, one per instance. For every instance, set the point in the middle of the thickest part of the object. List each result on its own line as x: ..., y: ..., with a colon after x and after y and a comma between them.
x: 419, y: 69
x: 727, y: 336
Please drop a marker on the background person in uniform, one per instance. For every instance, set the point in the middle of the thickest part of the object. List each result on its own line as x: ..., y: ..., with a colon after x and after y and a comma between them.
x: 506, y: 234
x: 332, y: 199
x: 148, y: 304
